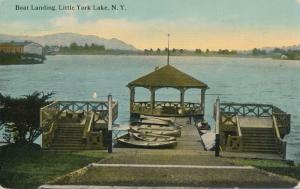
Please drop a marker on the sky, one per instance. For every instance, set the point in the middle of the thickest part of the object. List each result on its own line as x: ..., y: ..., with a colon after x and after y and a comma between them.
x: 204, y: 24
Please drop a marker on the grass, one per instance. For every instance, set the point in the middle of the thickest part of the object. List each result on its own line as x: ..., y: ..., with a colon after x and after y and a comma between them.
x: 279, y: 167
x: 152, y: 177
x: 26, y: 168
x: 29, y: 169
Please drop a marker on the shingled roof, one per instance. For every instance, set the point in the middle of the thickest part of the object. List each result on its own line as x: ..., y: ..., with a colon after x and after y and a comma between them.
x: 168, y: 76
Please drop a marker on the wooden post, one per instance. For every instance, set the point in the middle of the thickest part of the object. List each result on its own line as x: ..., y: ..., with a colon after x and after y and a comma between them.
x: 182, y: 98
x: 217, y: 148
x: 110, y: 122
x: 203, y: 101
x: 132, y: 98
x: 152, y: 100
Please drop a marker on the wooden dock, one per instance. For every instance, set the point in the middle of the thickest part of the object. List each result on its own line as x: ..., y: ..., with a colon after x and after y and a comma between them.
x: 190, y: 138
x: 251, y: 128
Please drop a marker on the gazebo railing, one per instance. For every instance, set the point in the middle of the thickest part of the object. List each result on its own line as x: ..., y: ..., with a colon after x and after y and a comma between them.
x: 167, y: 108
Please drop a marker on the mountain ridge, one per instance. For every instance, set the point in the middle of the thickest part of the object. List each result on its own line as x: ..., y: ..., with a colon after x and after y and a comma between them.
x: 65, y: 39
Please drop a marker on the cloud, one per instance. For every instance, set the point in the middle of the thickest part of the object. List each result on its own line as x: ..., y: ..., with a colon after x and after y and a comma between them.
x: 188, y: 34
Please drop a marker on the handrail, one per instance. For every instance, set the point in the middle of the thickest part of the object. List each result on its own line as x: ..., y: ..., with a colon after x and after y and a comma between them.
x: 238, y: 126
x: 91, y: 123
x: 276, y: 129
x: 51, y: 104
x: 88, y: 126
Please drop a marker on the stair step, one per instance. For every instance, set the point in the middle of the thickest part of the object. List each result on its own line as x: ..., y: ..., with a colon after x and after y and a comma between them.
x: 68, y: 138
x: 79, y: 131
x: 257, y: 143
x: 94, y: 147
x: 66, y: 132
x: 258, y: 151
x: 69, y: 129
x: 261, y: 149
x: 264, y: 133
x: 258, y: 136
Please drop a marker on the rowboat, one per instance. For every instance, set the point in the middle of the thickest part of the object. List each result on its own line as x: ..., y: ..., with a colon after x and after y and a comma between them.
x: 156, y: 121
x: 146, y: 144
x: 168, y: 131
x: 152, y: 137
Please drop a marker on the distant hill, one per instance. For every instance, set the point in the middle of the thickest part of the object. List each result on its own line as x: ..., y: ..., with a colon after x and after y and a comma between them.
x: 65, y: 39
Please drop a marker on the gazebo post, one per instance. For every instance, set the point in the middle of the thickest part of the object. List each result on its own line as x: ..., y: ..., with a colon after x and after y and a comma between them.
x: 152, y: 100
x: 132, y: 97
x: 203, y: 100
x: 182, y: 91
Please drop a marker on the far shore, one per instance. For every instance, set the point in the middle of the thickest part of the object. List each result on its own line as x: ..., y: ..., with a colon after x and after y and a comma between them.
x: 189, y: 55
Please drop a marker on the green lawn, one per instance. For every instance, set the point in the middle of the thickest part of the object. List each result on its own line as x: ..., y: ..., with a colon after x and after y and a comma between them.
x: 274, y: 166
x: 152, y: 177
x: 28, y: 169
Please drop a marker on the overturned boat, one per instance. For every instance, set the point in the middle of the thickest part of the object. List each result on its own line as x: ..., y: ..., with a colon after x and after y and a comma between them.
x: 146, y: 144
x: 153, y: 137
x: 157, y: 130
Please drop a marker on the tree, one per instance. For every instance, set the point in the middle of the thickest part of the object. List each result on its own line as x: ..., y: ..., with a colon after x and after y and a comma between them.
x: 256, y: 52
x: 181, y: 50
x: 20, y: 117
x: 198, y: 51
x: 158, y: 50
x: 73, y: 46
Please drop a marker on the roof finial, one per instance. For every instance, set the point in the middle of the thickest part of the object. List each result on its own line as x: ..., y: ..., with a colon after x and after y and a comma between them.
x: 168, y: 49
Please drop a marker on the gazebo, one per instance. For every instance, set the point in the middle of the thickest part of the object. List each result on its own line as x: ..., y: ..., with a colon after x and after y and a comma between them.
x: 167, y: 77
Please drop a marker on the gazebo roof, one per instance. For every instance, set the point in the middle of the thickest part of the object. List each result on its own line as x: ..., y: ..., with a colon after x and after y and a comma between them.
x: 168, y: 76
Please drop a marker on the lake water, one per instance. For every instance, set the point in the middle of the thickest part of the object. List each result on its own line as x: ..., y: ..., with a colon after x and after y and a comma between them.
x: 232, y: 79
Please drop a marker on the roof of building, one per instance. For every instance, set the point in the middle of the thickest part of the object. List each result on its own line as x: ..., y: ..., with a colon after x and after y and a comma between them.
x: 168, y: 76
x: 13, y: 43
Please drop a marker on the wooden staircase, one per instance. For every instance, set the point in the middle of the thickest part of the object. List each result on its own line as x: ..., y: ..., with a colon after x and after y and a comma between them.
x: 259, y: 140
x: 68, y: 136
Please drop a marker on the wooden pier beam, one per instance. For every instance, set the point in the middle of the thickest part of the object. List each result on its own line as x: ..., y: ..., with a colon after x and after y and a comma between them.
x: 152, y: 99
x: 217, y: 109
x: 182, y: 91
x: 132, y: 97
x: 110, y: 122
x: 203, y: 100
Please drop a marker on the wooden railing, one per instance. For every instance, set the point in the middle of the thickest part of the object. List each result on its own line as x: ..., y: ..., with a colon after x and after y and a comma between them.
x: 235, y: 143
x: 228, y: 118
x: 283, y: 119
x: 279, y: 140
x: 167, y: 108
x: 258, y: 110
x: 50, y: 114
x: 228, y: 111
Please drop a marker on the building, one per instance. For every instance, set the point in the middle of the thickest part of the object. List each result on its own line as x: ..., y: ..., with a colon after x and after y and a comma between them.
x: 21, y: 47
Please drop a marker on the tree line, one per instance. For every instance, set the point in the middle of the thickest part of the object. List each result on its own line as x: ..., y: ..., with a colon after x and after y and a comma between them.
x: 197, y: 51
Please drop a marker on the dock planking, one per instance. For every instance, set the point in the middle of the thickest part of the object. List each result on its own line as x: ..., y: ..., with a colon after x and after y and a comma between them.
x: 190, y: 138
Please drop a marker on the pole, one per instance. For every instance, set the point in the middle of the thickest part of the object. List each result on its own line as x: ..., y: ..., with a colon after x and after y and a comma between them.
x: 217, y: 150
x: 168, y: 48
x: 109, y: 124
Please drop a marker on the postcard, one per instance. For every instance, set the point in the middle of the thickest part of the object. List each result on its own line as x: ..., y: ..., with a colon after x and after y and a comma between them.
x: 161, y: 93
